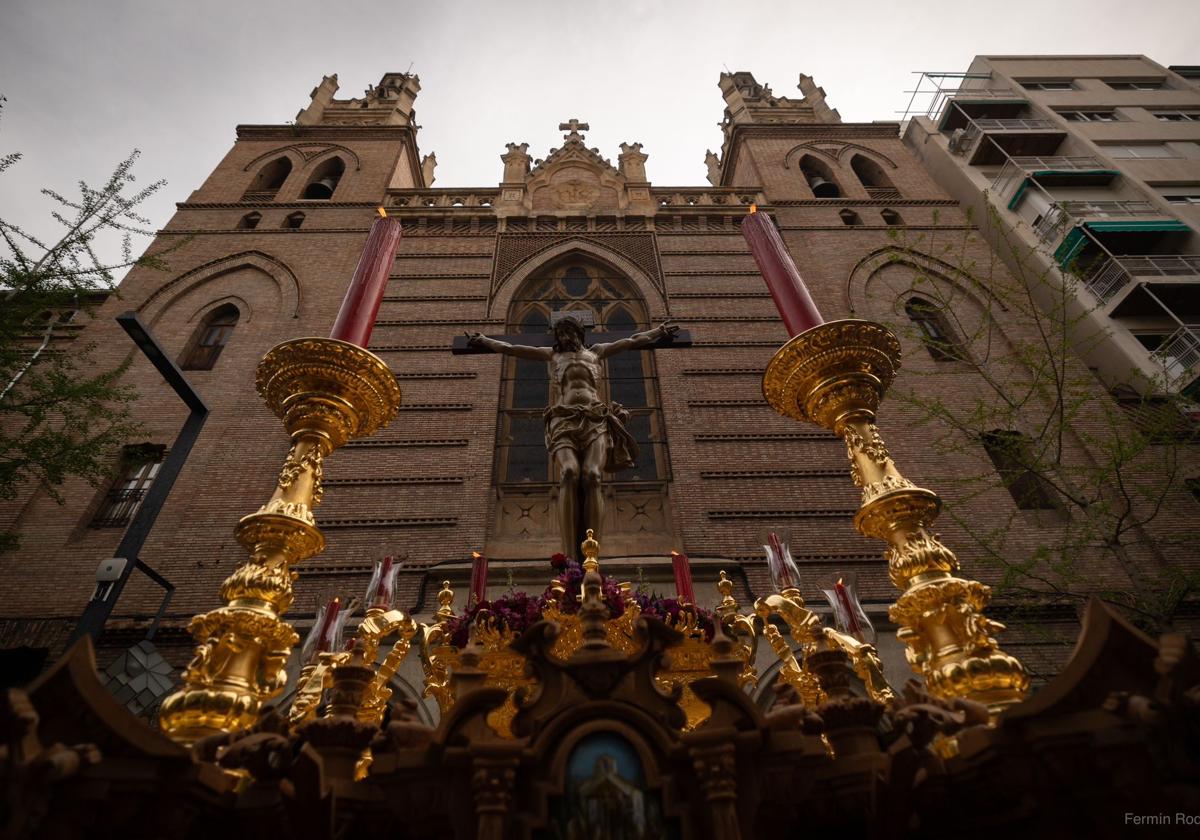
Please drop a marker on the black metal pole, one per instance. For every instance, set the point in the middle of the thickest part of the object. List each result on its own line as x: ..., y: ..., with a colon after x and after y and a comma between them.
x: 97, y: 611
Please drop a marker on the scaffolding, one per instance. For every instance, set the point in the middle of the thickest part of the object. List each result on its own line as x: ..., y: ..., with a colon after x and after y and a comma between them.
x: 934, y: 89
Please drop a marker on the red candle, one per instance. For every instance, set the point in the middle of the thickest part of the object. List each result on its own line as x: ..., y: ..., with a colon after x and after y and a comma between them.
x: 852, y: 623
x: 796, y: 308
x: 683, y: 577
x: 479, y: 572
x: 325, y: 638
x: 356, y: 318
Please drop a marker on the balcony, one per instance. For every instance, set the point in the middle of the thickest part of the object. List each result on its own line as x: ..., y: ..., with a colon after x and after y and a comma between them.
x: 1048, y: 171
x: 1061, y: 215
x: 990, y: 140
x: 948, y: 96
x: 1141, y: 286
x: 1179, y: 356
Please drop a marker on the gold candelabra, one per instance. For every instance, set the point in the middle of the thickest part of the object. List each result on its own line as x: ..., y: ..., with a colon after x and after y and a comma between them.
x: 835, y: 375
x: 326, y: 392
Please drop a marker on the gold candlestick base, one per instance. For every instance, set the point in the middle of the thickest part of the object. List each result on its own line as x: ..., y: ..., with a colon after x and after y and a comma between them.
x: 326, y: 392
x: 835, y: 376
x: 832, y: 371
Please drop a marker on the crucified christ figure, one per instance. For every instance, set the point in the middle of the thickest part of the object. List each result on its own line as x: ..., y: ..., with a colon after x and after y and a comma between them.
x: 584, y: 435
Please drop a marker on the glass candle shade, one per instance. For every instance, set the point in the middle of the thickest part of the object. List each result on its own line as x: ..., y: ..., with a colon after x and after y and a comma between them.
x: 326, y: 630
x: 841, y: 592
x: 381, y: 591
x: 784, y: 574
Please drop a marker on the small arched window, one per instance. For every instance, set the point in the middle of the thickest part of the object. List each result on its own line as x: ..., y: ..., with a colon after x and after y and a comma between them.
x: 849, y: 217
x: 873, y: 178
x: 819, y: 177
x: 249, y: 221
x: 211, y: 337
x: 324, y: 180
x: 935, y: 333
x: 294, y: 220
x: 268, y: 180
x: 891, y: 218
x: 1020, y: 470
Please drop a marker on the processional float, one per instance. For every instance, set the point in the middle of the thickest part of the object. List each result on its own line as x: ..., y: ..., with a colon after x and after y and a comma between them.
x: 328, y: 391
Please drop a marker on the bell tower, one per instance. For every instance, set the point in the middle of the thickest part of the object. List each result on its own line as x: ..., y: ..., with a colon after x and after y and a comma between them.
x: 752, y: 108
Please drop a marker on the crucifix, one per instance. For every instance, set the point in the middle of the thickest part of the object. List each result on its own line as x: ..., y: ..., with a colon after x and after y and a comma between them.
x: 584, y: 435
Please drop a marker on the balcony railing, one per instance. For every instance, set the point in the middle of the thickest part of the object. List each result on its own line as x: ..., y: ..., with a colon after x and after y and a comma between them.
x: 259, y: 195
x: 1179, y: 355
x: 942, y: 100
x: 1016, y: 168
x: 983, y: 93
x: 118, y: 508
x: 1062, y: 213
x: 983, y: 125
x: 1013, y: 124
x: 1112, y: 277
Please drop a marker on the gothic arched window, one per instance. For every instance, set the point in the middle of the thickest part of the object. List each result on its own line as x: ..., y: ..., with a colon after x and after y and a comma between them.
x: 268, y: 180
x: 605, y: 303
x: 324, y: 180
x: 934, y: 332
x: 211, y: 337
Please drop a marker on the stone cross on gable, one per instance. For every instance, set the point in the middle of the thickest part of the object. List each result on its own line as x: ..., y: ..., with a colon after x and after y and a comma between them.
x: 574, y: 126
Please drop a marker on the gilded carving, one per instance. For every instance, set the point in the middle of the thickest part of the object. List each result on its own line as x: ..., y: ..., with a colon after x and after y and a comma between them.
x: 886, y: 484
x: 326, y: 392
x: 921, y: 554
x: 296, y: 510
x: 293, y: 466
x: 834, y: 375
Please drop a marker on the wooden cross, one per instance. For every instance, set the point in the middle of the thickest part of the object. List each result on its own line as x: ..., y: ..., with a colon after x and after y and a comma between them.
x: 544, y: 339
x: 574, y: 126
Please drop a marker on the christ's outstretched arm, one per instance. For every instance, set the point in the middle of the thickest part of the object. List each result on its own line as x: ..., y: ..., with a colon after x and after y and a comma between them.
x: 635, y: 341
x: 541, y: 354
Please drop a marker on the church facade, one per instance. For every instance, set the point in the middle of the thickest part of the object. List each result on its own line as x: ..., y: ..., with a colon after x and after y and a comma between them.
x: 265, y: 246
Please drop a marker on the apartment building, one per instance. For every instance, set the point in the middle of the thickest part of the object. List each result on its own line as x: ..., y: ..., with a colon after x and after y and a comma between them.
x: 1091, y: 165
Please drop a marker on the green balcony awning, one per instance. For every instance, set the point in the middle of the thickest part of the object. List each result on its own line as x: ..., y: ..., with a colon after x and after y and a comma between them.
x: 1082, y: 174
x: 1164, y: 225
x: 1074, y: 241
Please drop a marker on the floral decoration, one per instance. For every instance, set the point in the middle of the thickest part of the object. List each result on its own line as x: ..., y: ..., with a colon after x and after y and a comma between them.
x: 518, y: 611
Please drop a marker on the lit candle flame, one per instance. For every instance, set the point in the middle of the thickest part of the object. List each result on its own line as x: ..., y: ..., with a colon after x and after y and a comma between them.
x: 476, y: 555
x: 753, y: 208
x: 382, y: 213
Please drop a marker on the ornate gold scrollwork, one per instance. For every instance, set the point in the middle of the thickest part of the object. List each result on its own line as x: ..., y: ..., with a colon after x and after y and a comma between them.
x: 835, y: 376
x: 326, y: 392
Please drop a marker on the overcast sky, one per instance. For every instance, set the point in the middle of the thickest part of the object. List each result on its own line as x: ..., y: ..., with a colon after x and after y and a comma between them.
x: 90, y: 80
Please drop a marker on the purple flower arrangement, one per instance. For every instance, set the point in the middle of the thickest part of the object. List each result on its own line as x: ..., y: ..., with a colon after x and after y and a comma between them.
x: 518, y: 611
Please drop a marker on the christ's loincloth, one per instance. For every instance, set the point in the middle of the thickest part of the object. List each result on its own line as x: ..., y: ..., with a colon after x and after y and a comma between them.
x: 577, y: 427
